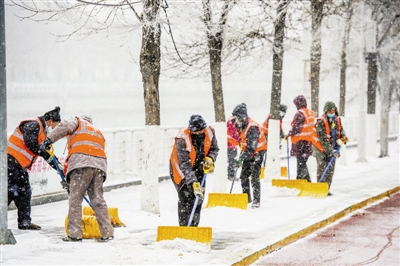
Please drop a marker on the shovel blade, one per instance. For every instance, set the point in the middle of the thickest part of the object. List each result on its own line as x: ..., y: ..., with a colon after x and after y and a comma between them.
x: 198, y: 234
x: 317, y: 190
x: 227, y: 200
x: 113, y: 212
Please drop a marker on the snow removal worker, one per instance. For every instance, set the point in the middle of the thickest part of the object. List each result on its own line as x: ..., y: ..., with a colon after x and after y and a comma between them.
x: 329, y: 129
x: 303, y: 136
x: 233, y: 143
x: 85, y: 171
x: 282, y: 113
x: 253, y: 147
x: 195, y: 150
x: 23, y: 147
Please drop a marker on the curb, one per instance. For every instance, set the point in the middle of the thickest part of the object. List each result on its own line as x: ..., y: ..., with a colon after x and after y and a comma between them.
x: 310, y: 229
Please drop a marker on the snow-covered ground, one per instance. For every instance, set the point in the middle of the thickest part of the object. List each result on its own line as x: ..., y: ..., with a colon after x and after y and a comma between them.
x: 236, y: 233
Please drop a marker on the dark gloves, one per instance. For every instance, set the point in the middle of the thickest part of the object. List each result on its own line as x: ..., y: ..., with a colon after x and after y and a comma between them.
x: 45, y: 145
x: 64, y: 185
x: 239, y: 163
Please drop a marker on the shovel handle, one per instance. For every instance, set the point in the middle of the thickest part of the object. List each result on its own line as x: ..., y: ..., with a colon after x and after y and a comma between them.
x: 288, y: 158
x: 63, y: 179
x: 196, y: 201
x: 329, y: 165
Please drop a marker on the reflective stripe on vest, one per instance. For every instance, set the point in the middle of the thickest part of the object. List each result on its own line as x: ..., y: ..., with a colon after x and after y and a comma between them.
x: 16, y: 146
x: 185, y: 135
x: 86, y: 139
x: 308, y: 132
x: 262, y: 143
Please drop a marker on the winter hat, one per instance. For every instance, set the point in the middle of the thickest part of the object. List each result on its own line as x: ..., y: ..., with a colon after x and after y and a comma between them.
x: 87, y: 118
x: 53, y: 115
x: 330, y: 106
x: 240, y: 111
x: 300, y: 102
x: 196, y: 123
x: 283, y: 108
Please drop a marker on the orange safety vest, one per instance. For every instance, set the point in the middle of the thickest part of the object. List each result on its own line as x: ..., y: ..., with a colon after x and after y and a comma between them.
x: 16, y: 146
x: 308, y: 132
x: 185, y: 135
x: 262, y: 143
x: 86, y: 139
x: 231, y: 140
x: 264, y: 126
x: 328, y: 128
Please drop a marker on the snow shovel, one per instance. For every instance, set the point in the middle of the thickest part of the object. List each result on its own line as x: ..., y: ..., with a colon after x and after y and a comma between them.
x: 198, y: 234
x: 320, y: 189
x: 288, y: 183
x: 228, y: 200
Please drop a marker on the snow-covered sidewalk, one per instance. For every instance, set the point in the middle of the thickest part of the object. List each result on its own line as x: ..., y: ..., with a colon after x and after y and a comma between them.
x: 236, y: 233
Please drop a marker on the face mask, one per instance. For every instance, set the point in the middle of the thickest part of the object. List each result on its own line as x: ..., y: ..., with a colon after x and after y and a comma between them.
x: 331, y: 115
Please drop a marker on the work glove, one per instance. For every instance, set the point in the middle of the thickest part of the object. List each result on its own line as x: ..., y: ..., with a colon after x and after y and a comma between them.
x: 208, y: 165
x: 45, y: 145
x: 344, y: 140
x: 286, y: 137
x: 239, y: 163
x: 197, y: 190
x: 64, y: 185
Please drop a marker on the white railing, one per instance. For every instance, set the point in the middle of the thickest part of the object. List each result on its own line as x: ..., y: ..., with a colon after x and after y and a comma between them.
x: 124, y: 148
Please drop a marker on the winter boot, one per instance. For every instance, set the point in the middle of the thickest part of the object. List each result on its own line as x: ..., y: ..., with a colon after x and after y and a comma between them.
x: 31, y: 226
x: 71, y: 239
x: 255, y: 205
x: 105, y: 239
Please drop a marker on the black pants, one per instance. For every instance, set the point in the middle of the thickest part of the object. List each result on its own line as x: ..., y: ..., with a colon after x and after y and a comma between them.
x: 302, y: 169
x: 185, y: 206
x: 232, y: 162
x: 252, y: 167
x: 19, y: 190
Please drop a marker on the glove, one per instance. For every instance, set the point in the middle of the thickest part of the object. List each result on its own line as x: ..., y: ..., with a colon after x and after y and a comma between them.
x: 64, y: 185
x: 208, y: 165
x: 197, y: 190
x: 286, y: 137
x: 45, y: 145
x: 239, y: 163
x: 344, y: 140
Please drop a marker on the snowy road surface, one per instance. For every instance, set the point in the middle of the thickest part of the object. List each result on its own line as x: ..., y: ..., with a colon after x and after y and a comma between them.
x: 237, y: 233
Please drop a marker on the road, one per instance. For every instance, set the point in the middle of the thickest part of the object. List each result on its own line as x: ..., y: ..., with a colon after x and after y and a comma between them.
x: 370, y: 236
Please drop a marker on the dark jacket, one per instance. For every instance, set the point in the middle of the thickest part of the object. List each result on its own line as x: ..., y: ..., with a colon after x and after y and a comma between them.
x: 329, y: 148
x: 301, y: 148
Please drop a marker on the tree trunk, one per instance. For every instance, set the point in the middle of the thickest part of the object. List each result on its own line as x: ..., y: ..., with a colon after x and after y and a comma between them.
x: 273, y: 159
x: 150, y: 61
x: 316, y: 22
x: 343, y: 65
x: 385, y: 99
x: 150, y: 68
x: 277, y: 59
x: 372, y: 75
x: 215, y: 51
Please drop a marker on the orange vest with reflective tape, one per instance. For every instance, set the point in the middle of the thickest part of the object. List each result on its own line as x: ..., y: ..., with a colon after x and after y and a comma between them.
x: 16, y: 146
x: 185, y: 135
x: 262, y: 143
x: 86, y: 139
x: 264, y: 126
x: 328, y: 128
x: 308, y: 132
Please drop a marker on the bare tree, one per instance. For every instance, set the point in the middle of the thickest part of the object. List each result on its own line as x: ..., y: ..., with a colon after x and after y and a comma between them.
x: 93, y: 17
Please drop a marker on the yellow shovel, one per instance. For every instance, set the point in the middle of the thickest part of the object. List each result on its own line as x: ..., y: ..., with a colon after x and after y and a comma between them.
x: 288, y: 183
x: 320, y: 189
x: 198, y: 234
x: 228, y: 200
